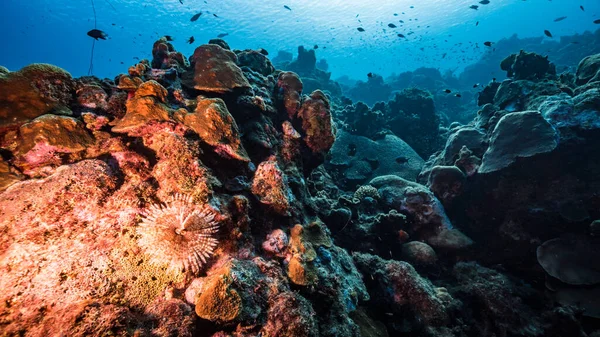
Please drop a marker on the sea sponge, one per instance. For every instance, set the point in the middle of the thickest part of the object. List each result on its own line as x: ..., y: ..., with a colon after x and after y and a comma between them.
x: 178, y: 233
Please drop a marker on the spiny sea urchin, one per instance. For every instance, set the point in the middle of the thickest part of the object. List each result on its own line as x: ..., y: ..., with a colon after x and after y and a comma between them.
x: 178, y: 233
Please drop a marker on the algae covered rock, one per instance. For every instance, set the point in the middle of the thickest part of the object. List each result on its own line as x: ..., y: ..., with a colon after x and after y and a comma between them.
x: 35, y: 90
x: 214, y: 70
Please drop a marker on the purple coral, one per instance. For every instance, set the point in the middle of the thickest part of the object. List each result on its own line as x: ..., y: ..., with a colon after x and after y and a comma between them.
x: 178, y: 233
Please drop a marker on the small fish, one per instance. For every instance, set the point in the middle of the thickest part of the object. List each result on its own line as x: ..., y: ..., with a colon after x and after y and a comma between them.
x: 370, y: 75
x: 191, y: 40
x: 215, y: 15
x: 181, y: 2
x: 395, y: 14
x: 548, y: 34
x: 582, y: 8
x: 560, y: 19
x: 97, y: 34
x: 493, y: 79
x: 475, y: 85
x: 444, y: 56
x: 487, y: 44
x: 222, y: 35
x: 401, y: 35
x: 195, y: 17
x: 597, y: 21
x: 458, y: 95
x: 360, y: 29
x: 484, y: 2
x: 287, y: 7
x: 391, y: 25
x: 168, y: 37
x: 447, y: 91
x: 475, y: 7
x: 476, y: 23
x: 316, y: 47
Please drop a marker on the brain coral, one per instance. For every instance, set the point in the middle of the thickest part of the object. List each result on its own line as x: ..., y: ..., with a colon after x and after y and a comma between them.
x: 178, y: 234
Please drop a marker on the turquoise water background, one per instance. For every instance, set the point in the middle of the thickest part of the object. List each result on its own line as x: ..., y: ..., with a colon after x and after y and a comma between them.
x: 55, y: 31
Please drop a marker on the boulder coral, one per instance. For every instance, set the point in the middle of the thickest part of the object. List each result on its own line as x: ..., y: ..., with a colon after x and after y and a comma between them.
x: 214, y: 70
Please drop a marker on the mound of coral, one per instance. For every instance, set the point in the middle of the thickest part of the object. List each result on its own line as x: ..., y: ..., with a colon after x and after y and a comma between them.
x: 217, y: 196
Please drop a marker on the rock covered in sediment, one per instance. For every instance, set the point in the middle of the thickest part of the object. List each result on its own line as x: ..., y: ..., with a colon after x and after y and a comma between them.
x: 34, y: 90
x: 571, y: 259
x: 518, y: 135
x: 418, y: 253
x: 216, y: 127
x: 588, y: 70
x: 214, y: 70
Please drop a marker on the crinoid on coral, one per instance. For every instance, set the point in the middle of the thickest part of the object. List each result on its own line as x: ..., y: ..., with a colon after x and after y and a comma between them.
x: 178, y: 233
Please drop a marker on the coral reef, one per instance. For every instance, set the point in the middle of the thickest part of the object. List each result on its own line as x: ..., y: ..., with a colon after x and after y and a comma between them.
x: 221, y: 197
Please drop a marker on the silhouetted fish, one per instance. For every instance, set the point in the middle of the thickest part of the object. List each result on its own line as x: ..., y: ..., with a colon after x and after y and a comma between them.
x: 316, y: 47
x: 476, y: 23
x: 391, y: 25
x: 582, y: 8
x: 360, y: 29
x: 401, y: 35
x: 458, y: 95
x: 191, y: 40
x: 222, y: 35
x: 475, y: 7
x: 168, y: 37
x: 370, y: 75
x: 487, y: 43
x: 287, y: 7
x: 547, y: 33
x: 597, y: 21
x: 97, y: 34
x: 195, y: 17
x: 560, y: 19
x: 447, y: 91
x: 484, y: 2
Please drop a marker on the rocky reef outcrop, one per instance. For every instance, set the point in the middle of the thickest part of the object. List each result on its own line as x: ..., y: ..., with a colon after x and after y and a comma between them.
x: 217, y: 196
x: 305, y: 65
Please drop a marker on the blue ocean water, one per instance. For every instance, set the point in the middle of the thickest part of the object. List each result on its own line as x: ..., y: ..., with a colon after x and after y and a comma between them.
x: 55, y: 31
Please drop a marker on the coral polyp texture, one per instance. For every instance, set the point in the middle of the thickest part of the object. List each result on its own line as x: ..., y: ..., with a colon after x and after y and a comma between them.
x: 178, y: 234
